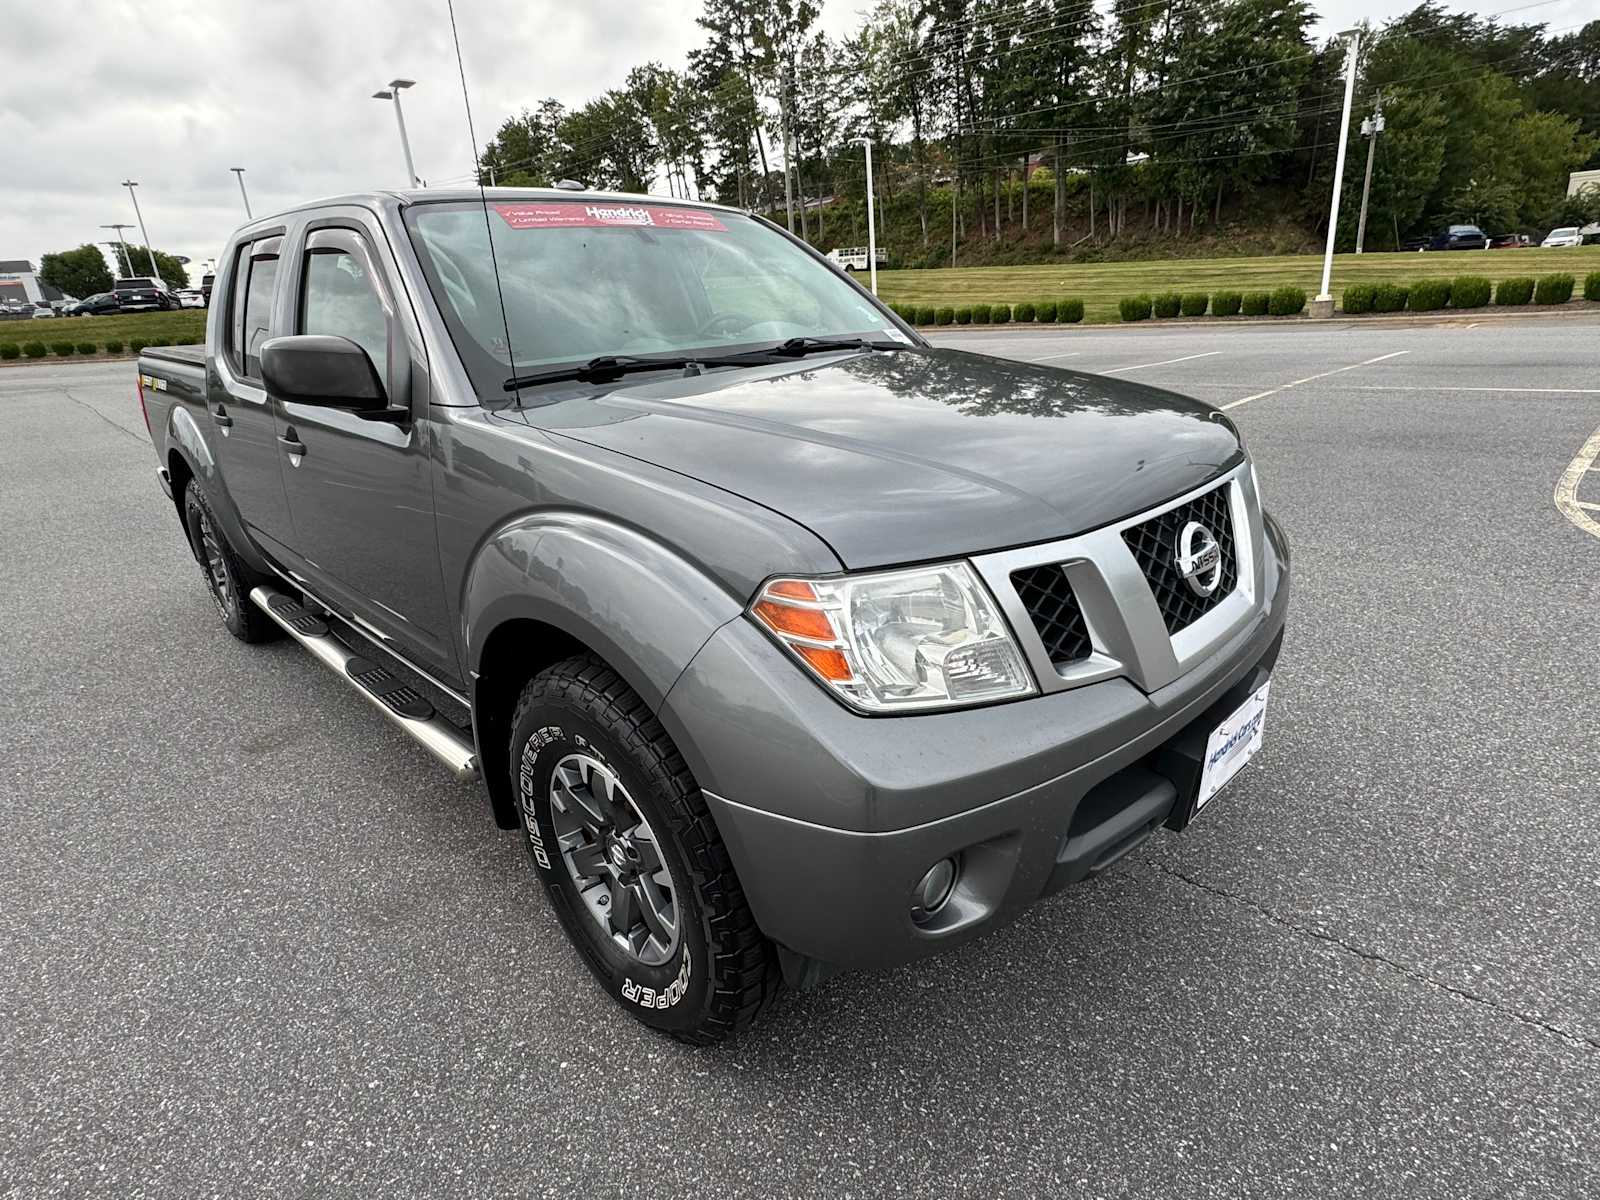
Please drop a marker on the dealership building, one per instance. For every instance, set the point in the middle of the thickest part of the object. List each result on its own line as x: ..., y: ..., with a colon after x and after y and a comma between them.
x: 19, y: 282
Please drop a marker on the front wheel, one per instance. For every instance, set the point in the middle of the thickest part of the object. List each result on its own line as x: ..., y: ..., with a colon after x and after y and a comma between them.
x: 620, y: 836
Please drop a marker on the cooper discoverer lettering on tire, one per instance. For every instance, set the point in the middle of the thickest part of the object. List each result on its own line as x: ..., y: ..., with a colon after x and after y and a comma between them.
x: 620, y: 836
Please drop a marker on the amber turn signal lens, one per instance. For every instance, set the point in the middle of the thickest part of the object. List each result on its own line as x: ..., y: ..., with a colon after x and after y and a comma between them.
x: 832, y: 665
x: 792, y: 589
x: 798, y: 622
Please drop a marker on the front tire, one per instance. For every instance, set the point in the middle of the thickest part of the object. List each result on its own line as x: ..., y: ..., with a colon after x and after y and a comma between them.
x: 621, y: 838
x: 227, y: 579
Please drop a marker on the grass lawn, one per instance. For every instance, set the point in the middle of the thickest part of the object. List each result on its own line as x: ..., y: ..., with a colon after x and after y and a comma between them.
x: 1101, y: 285
x: 178, y: 327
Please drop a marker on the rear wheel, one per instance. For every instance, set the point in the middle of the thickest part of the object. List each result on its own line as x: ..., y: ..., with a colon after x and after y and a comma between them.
x: 621, y: 839
x: 227, y: 579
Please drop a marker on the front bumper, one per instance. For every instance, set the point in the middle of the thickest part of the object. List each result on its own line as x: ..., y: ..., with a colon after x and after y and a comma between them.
x: 832, y: 818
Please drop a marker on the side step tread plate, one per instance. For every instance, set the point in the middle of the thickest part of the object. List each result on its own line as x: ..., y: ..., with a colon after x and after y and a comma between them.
x: 388, y: 692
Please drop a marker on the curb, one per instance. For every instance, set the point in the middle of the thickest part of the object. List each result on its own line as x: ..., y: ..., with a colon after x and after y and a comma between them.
x: 1572, y: 310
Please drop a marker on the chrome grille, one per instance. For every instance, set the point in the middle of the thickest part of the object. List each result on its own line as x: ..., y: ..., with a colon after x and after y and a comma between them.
x: 1154, y: 544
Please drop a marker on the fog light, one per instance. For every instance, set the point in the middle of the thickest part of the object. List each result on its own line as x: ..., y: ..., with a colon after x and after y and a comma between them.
x: 934, y: 890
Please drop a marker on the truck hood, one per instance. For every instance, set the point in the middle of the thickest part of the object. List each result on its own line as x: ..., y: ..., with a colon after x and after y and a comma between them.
x: 912, y: 455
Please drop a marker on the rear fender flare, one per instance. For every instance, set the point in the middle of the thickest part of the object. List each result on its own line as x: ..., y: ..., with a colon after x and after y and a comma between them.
x: 186, y: 439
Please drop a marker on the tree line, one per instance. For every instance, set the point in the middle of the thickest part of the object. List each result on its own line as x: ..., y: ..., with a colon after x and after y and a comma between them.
x: 1151, y: 118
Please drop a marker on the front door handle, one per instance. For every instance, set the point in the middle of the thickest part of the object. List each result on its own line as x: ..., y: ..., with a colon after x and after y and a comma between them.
x: 291, y: 443
x: 220, y: 415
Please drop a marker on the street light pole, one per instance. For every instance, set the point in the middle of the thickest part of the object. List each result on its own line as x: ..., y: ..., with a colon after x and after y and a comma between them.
x: 1352, y: 46
x: 127, y: 260
x: 392, y: 92
x: 239, y: 173
x: 1371, y: 127
x: 872, y: 224
x: 139, y: 216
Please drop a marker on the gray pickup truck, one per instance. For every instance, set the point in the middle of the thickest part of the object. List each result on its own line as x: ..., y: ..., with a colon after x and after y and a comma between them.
x: 787, y: 641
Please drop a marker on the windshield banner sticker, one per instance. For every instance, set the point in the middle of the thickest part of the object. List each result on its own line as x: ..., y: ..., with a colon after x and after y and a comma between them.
x: 598, y: 216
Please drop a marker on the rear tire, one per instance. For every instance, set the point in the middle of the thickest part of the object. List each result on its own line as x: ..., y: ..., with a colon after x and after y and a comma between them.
x: 227, y: 579
x: 635, y: 869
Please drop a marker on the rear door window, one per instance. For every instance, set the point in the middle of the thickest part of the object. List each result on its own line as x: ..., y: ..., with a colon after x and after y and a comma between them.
x: 255, y: 281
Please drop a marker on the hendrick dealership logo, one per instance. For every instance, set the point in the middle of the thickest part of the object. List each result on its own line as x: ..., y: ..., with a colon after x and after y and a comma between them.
x: 620, y: 214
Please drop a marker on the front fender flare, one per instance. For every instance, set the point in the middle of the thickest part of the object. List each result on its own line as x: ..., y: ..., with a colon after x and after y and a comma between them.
x: 641, y: 606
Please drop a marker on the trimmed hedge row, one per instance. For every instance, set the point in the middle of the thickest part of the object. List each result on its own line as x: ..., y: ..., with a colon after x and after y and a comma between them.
x: 1463, y: 292
x: 1283, y: 302
x: 65, y: 349
x: 1068, y: 312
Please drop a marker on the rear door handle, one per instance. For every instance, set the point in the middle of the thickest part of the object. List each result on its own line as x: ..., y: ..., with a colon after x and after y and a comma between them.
x: 291, y: 443
x: 220, y: 415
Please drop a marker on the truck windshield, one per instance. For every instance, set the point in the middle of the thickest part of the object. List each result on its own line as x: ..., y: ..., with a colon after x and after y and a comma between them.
x: 586, y: 278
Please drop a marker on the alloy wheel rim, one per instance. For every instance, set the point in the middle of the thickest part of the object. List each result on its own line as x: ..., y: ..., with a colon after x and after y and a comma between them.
x: 216, y: 569
x: 614, y: 858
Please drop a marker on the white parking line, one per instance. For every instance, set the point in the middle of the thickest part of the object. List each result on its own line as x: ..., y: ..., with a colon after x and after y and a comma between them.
x: 1309, y: 378
x: 1567, y: 502
x: 1380, y: 387
x: 1052, y: 357
x: 1166, y: 362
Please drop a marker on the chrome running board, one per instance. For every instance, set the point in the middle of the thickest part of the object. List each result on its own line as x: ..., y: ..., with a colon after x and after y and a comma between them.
x: 436, y: 735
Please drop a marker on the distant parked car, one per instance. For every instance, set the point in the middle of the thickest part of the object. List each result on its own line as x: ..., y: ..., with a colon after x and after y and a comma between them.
x: 96, y: 305
x: 854, y: 258
x: 190, y: 298
x: 1416, y: 243
x: 1510, y: 241
x: 41, y: 311
x: 1460, y: 237
x: 206, y: 281
x: 1568, y: 235
x: 142, y: 294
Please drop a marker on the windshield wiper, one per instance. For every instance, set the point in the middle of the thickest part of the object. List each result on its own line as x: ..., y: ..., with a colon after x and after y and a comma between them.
x: 606, y: 367
x: 797, y: 346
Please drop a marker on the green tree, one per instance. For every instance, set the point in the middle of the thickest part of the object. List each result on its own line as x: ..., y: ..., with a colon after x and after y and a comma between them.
x: 173, y: 273
x: 79, y: 273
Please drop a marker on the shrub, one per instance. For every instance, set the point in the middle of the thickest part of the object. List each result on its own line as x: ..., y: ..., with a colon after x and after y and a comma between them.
x: 1429, y: 295
x: 963, y: 314
x: 1287, y: 302
x: 87, y: 347
x: 1167, y: 304
x: 1553, y: 289
x: 1591, y: 286
x: 1195, y: 304
x: 113, y: 346
x: 926, y: 313
x: 1469, y: 291
x: 64, y: 349
x: 945, y: 316
x: 1000, y: 314
x: 1134, y: 308
x: 982, y: 314
x: 1226, y: 304
x: 1255, y: 304
x: 10, y: 350
x: 137, y: 345
x: 1069, y: 312
x: 1358, y: 298
x: 1516, y: 290
x: 35, y: 349
x: 1389, y: 297
x: 1025, y: 311
x: 1046, y: 310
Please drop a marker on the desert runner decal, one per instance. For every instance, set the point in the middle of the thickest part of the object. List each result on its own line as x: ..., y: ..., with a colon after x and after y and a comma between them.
x: 602, y: 216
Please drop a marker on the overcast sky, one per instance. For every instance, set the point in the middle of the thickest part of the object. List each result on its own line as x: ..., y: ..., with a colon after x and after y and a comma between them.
x: 175, y: 92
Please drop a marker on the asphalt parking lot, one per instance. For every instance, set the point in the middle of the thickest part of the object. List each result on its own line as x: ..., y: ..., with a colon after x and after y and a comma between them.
x: 255, y: 943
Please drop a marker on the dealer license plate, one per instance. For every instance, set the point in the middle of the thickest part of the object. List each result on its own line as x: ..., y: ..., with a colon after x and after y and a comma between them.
x: 1232, y: 744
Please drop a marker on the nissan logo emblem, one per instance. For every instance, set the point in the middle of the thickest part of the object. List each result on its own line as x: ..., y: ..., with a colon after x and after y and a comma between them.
x: 1199, y: 559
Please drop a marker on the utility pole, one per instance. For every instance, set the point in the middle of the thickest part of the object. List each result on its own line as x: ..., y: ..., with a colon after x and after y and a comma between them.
x: 872, y: 224
x: 788, y: 152
x: 239, y: 174
x: 1323, y: 304
x: 392, y: 92
x: 127, y: 262
x: 149, y: 249
x: 1371, y: 127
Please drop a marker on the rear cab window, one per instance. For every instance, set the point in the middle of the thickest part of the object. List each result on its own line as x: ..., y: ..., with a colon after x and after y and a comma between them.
x: 250, y: 319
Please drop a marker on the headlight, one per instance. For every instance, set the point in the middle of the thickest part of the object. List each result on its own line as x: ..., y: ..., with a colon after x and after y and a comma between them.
x: 892, y: 641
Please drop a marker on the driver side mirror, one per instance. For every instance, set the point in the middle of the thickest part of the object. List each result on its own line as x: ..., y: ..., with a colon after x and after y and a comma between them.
x: 322, y: 369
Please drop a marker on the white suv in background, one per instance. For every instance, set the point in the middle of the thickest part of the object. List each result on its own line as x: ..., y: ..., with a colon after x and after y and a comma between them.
x: 1569, y: 235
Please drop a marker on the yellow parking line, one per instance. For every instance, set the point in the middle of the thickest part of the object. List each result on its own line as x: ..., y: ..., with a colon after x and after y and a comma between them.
x: 1573, y: 509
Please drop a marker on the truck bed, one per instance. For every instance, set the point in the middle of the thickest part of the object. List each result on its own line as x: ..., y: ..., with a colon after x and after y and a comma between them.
x: 190, y: 356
